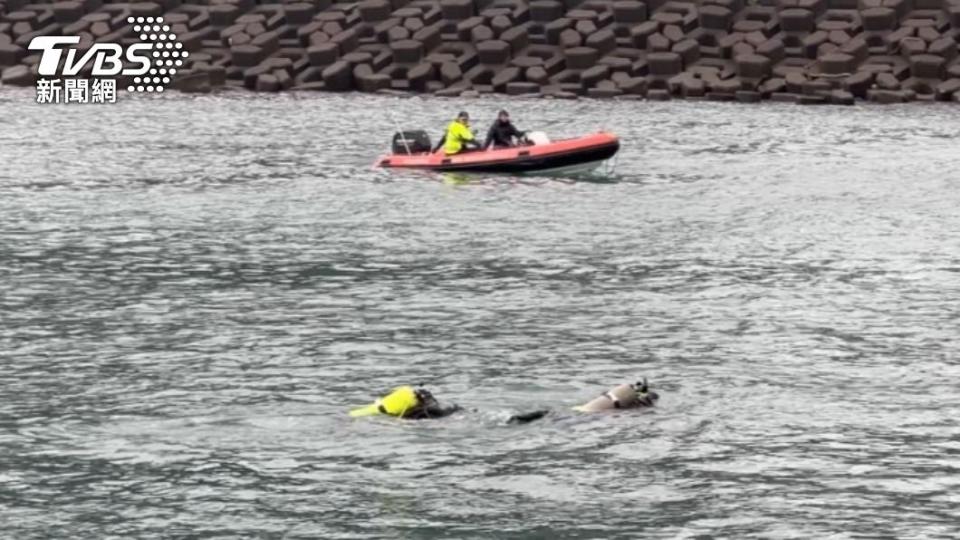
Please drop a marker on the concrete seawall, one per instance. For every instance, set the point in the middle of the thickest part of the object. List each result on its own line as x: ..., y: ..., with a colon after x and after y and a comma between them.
x: 804, y: 51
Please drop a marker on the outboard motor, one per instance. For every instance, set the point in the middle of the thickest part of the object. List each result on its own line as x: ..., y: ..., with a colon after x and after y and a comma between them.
x: 411, y: 142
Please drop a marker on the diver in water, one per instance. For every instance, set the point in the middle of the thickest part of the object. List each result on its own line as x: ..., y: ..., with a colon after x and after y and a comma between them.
x: 407, y: 402
x: 417, y: 404
x: 624, y: 396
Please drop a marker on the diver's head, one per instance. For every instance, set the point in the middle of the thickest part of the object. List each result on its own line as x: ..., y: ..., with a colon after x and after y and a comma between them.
x: 425, y: 398
x: 645, y: 396
x: 624, y: 396
x: 503, y: 117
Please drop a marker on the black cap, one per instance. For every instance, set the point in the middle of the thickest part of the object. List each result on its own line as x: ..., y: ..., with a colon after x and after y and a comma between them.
x: 503, y: 112
x: 463, y: 114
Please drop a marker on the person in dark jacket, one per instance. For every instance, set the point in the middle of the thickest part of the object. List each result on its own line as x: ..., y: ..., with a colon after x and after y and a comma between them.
x: 502, y: 133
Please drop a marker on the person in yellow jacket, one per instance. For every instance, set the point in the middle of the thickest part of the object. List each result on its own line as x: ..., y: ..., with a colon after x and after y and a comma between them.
x: 458, y: 136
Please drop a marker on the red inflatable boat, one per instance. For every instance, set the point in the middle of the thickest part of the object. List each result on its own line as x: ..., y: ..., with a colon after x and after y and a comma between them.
x: 411, y: 150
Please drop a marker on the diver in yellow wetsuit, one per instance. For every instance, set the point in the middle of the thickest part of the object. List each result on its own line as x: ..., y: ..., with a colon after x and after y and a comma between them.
x: 407, y: 402
x: 458, y: 136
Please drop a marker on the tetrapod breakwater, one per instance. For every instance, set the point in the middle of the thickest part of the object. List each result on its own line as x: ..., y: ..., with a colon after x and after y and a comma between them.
x: 803, y: 51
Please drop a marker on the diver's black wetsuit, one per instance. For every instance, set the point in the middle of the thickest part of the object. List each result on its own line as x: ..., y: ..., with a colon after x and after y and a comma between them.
x: 527, y: 417
x: 423, y: 412
x: 429, y: 407
x: 436, y: 411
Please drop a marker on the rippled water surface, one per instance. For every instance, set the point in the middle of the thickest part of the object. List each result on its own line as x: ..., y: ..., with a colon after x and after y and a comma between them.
x: 194, y: 291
